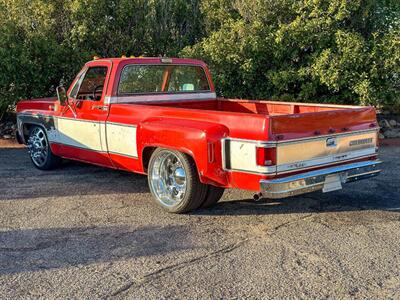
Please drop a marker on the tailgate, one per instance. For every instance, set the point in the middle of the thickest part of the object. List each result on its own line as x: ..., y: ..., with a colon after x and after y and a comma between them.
x: 323, y: 138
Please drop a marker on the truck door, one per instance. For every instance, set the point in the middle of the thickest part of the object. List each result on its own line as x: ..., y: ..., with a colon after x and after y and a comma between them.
x: 81, y: 126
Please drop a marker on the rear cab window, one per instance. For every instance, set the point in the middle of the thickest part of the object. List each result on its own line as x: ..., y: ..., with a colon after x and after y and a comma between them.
x: 145, y: 79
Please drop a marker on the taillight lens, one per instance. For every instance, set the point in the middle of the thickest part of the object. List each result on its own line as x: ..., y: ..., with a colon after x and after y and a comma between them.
x: 266, y: 156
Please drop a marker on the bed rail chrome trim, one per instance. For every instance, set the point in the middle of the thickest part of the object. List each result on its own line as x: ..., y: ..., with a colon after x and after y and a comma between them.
x: 314, y: 180
x: 149, y: 98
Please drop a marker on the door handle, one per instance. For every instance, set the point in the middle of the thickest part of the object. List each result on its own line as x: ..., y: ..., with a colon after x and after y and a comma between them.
x: 100, y: 107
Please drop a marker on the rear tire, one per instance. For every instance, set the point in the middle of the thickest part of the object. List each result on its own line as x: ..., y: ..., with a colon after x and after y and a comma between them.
x: 40, y: 151
x: 174, y: 181
x: 214, y: 194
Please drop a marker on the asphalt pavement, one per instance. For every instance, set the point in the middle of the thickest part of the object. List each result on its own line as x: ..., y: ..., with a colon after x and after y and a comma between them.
x: 87, y: 232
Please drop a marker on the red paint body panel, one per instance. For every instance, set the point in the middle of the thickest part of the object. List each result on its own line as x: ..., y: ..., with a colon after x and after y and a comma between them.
x: 193, y: 138
x: 126, y: 163
x: 250, y: 126
x: 337, y: 121
x: 195, y: 127
x: 93, y: 157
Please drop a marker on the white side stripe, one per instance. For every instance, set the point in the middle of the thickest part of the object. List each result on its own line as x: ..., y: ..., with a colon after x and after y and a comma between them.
x: 76, y: 133
x: 121, y: 139
x: 93, y: 135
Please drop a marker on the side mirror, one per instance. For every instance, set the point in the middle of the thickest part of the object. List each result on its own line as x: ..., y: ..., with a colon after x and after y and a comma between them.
x: 62, y: 95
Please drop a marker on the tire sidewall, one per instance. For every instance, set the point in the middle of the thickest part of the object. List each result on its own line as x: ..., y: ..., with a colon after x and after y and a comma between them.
x: 51, y: 159
x: 191, y: 181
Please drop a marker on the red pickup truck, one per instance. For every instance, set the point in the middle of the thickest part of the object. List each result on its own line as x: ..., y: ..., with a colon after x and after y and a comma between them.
x: 161, y: 117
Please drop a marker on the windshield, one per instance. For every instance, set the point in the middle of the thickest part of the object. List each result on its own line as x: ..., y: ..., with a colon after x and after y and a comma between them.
x: 139, y: 79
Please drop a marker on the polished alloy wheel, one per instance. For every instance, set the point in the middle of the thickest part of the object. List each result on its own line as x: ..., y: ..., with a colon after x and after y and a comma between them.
x: 168, y: 179
x: 38, y: 146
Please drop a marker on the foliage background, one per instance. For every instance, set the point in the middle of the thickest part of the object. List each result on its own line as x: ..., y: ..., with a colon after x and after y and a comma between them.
x: 342, y: 51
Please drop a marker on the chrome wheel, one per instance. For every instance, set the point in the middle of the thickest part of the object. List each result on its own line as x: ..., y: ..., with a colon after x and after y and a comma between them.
x: 38, y: 147
x: 168, y: 179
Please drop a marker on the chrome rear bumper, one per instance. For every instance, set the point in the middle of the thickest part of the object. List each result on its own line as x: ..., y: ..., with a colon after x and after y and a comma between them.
x: 315, y: 180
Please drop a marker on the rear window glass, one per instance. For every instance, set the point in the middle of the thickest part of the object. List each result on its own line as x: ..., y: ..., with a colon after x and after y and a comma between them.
x: 139, y: 79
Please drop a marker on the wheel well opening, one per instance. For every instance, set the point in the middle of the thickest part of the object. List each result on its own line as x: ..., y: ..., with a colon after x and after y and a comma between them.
x: 25, y: 130
x: 147, y: 152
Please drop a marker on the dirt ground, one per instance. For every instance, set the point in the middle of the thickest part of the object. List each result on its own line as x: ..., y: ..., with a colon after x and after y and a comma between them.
x: 87, y: 232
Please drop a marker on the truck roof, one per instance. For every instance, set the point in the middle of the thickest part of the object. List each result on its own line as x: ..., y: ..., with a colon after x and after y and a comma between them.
x: 151, y: 60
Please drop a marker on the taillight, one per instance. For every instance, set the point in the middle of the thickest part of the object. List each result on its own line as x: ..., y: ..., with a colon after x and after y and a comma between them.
x: 266, y: 156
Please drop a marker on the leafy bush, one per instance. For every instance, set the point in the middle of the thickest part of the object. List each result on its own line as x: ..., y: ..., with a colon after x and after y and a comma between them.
x: 44, y: 43
x: 309, y: 50
x: 333, y: 51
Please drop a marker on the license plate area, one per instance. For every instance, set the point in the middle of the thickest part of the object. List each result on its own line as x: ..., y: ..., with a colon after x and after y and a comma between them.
x: 333, y: 182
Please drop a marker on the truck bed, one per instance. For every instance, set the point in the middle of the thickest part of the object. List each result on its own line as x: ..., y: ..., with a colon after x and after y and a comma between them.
x: 262, y: 107
x: 289, y: 120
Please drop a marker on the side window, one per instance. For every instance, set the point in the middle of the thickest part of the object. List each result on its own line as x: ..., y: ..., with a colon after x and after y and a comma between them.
x: 77, y: 84
x: 90, y: 86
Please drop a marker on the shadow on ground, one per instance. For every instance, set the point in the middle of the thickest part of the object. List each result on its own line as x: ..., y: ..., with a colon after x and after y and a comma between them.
x: 42, y: 249
x: 343, y: 201
x: 19, y: 179
x: 378, y: 193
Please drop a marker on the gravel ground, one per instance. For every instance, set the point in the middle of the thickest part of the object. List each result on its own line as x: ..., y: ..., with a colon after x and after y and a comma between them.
x: 87, y: 232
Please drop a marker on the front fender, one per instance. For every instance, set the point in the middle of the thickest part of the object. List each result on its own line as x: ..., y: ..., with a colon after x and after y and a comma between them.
x: 201, y: 140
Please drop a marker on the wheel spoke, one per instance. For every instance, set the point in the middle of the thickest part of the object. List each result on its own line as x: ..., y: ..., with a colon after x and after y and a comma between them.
x: 168, y: 179
x: 38, y: 146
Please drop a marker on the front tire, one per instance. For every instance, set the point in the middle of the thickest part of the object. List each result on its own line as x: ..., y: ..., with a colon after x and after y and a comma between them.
x: 174, y: 181
x: 40, y: 151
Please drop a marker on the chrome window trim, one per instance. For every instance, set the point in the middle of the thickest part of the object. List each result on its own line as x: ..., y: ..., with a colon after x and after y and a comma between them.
x: 162, y: 97
x: 158, y: 93
x: 82, y: 78
x: 78, y: 82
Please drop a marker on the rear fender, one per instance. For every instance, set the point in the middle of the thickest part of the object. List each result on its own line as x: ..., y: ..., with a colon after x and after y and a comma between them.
x: 201, y: 140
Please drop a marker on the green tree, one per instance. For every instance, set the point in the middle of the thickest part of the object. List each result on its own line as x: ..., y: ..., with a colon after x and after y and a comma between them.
x: 32, y: 59
x: 311, y: 50
x: 345, y: 51
x: 44, y: 43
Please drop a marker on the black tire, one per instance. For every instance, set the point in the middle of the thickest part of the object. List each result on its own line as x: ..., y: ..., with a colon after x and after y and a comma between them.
x: 194, y: 191
x: 38, y: 138
x: 213, y: 195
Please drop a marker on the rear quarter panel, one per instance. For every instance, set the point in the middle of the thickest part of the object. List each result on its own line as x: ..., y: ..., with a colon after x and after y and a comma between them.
x: 189, y: 131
